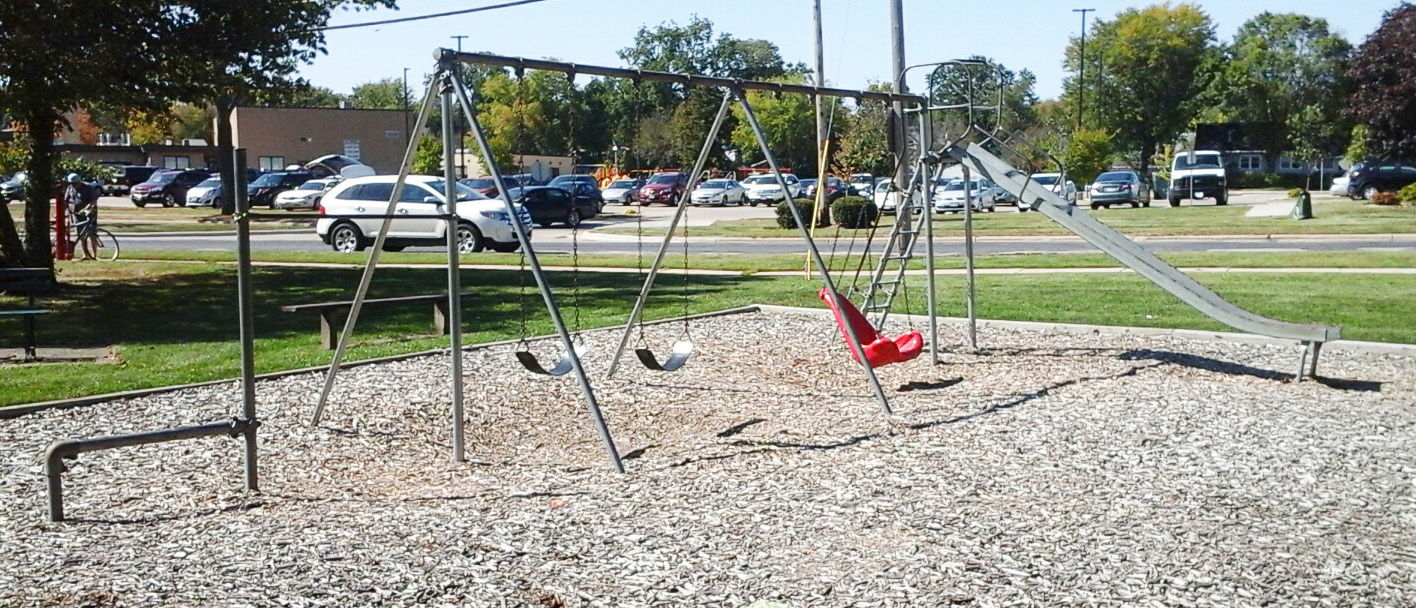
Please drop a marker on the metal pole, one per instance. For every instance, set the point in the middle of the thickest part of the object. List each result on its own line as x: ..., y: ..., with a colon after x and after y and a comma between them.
x: 638, y: 309
x: 969, y: 259
x: 407, y: 135
x: 1082, y: 67
x: 821, y: 267
x: 597, y: 418
x: 931, y: 296
x: 363, y: 290
x: 454, y: 280
x: 820, y: 82
x: 245, y: 305
x: 897, y: 73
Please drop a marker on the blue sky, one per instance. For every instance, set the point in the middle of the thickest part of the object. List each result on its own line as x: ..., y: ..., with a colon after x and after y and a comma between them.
x: 1021, y: 34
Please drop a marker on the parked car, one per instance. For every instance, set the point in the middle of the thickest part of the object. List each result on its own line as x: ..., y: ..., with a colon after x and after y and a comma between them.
x: 664, y: 188
x: 206, y: 193
x: 622, y: 191
x: 862, y: 184
x: 1198, y: 175
x: 526, y: 180
x: 306, y: 195
x: 949, y: 195
x: 125, y: 177
x: 586, y: 194
x: 719, y: 192
x: 886, y: 195
x: 486, y: 186
x: 763, y: 188
x: 13, y: 189
x: 167, y: 187
x: 262, y: 191
x: 1339, y: 185
x: 1365, y: 179
x: 483, y: 223
x: 1119, y: 187
x: 1066, y: 189
x: 550, y: 205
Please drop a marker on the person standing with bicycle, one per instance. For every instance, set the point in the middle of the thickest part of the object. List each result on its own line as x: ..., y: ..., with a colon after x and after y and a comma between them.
x: 82, y: 200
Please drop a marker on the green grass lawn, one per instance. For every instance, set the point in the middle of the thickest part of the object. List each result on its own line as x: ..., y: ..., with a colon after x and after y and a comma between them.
x: 175, y: 322
x: 753, y: 263
x: 1332, y: 217
x: 170, y: 219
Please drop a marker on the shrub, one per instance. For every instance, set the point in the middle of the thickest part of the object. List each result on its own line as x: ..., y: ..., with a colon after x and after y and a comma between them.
x: 1408, y: 194
x: 1295, y: 193
x: 854, y: 212
x: 1386, y: 198
x: 805, y: 207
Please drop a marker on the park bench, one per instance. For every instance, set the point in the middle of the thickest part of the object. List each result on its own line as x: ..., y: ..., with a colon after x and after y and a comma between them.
x: 329, y: 311
x: 27, y: 282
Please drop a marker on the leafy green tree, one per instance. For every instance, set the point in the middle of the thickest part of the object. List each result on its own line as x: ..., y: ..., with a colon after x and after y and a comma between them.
x: 1357, y: 145
x: 302, y: 95
x: 1148, y: 65
x: 1089, y: 153
x: 956, y: 85
x: 428, y: 157
x: 192, y: 121
x: 788, y: 122
x: 864, y: 145
x: 1384, y: 73
x: 65, y: 54
x: 1283, y: 75
x: 386, y: 94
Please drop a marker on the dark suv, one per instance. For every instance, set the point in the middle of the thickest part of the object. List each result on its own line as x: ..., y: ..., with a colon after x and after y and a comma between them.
x: 125, y: 177
x: 664, y: 188
x: 263, y: 190
x: 167, y: 187
x: 1366, y: 179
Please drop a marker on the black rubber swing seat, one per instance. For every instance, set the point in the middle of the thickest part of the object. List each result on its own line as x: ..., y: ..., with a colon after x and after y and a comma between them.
x: 562, y: 367
x: 678, y: 355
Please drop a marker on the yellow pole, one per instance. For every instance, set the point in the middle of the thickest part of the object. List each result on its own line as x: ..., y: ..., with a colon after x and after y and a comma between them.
x: 820, y: 196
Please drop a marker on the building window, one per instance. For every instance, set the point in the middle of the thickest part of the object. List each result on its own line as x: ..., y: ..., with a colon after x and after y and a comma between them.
x: 176, y: 162
x: 272, y: 163
x: 1288, y: 164
x: 1251, y: 162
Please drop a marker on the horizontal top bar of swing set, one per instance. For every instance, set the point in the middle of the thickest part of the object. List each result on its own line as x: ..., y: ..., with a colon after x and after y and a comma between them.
x: 694, y: 80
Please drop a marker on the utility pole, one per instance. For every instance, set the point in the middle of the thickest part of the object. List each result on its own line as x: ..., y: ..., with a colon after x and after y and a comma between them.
x: 407, y: 137
x: 457, y: 120
x: 1082, y: 70
x: 820, y: 82
x: 897, y: 78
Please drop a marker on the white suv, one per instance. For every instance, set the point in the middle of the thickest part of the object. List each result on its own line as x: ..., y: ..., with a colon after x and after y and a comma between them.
x: 763, y: 188
x: 484, y: 222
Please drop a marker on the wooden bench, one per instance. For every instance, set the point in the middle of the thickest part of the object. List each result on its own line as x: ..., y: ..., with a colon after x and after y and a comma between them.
x: 328, y: 312
x: 28, y: 282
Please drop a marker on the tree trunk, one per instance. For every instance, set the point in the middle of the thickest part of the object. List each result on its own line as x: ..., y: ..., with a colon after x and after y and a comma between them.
x: 1147, y: 151
x: 39, y: 193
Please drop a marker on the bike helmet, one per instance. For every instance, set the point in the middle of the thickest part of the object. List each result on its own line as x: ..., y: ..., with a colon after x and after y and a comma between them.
x: 73, y: 178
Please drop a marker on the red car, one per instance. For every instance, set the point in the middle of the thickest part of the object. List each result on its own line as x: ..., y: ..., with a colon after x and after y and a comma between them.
x: 664, y: 188
x: 486, y: 186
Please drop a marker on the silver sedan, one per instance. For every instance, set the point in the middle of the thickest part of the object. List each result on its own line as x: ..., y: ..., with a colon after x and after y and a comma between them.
x: 718, y: 192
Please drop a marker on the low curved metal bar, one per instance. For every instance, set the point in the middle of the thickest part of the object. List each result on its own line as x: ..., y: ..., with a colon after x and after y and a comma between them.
x: 682, y: 350
x: 562, y: 367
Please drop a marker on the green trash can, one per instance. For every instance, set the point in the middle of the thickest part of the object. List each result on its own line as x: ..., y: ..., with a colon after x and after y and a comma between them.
x: 1303, y: 208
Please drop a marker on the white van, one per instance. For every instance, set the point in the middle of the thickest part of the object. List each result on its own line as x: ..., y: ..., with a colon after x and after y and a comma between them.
x: 1197, y: 175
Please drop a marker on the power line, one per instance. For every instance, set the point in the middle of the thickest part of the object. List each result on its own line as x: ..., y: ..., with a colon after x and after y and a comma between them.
x: 430, y: 16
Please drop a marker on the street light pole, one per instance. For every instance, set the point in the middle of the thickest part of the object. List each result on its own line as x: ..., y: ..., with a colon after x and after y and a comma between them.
x: 820, y: 82
x: 1082, y: 70
x: 897, y: 79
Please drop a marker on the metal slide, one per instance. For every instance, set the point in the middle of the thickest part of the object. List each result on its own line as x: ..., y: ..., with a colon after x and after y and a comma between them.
x: 1133, y: 255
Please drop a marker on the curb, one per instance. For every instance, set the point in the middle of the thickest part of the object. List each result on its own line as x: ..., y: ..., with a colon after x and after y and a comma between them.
x: 16, y: 411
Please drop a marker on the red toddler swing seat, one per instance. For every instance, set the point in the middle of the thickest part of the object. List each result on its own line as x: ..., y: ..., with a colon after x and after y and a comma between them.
x: 879, y: 350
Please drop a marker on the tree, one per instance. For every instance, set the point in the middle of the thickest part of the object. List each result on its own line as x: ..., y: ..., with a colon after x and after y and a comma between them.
x: 789, y: 124
x: 864, y: 145
x: 1357, y: 146
x: 1384, y: 72
x: 302, y: 95
x: 1089, y: 153
x: 956, y: 85
x: 386, y: 94
x: 137, y: 55
x: 1283, y: 75
x: 1146, y: 67
x: 192, y: 121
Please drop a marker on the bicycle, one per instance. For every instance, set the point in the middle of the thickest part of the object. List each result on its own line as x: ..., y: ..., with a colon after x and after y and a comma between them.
x: 107, y: 243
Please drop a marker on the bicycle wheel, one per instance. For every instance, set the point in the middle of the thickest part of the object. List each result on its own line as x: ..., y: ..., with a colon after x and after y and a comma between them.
x: 107, y: 246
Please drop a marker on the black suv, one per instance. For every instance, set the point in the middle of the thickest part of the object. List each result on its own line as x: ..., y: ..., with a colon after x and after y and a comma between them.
x: 263, y: 190
x: 1366, y: 179
x: 549, y: 205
